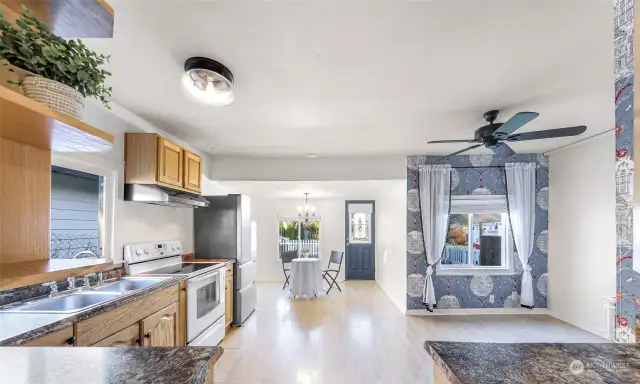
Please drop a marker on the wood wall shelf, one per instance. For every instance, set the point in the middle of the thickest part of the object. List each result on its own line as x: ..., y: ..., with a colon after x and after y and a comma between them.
x: 13, y: 275
x: 29, y: 122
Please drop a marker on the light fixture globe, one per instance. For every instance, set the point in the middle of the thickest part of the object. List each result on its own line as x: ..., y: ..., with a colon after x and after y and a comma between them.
x: 208, y: 81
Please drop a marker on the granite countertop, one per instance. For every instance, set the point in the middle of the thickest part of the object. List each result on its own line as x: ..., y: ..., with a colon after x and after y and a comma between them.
x: 30, y: 365
x: 536, y: 362
x: 18, y: 328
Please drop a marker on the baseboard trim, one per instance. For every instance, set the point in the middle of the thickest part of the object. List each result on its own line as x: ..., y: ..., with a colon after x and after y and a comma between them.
x: 478, y: 311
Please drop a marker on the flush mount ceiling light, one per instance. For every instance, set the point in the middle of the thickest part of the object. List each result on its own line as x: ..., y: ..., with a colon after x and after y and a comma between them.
x: 208, y: 81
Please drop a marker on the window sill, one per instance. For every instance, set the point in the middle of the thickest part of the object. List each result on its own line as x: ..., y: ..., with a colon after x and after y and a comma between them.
x: 473, y: 271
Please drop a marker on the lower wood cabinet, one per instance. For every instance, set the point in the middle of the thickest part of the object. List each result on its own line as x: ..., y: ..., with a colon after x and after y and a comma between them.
x: 61, y: 338
x: 228, y: 300
x: 161, y: 328
x: 128, y: 337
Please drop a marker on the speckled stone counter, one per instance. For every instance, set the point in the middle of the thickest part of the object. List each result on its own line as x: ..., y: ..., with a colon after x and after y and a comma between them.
x: 479, y: 363
x: 18, y: 328
x: 30, y: 365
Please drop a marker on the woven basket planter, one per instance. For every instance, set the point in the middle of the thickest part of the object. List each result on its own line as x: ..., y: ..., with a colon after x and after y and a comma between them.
x: 56, y: 95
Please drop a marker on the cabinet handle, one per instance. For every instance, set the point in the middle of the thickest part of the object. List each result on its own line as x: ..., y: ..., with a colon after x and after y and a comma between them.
x: 139, y: 341
x: 147, y: 335
x: 70, y: 340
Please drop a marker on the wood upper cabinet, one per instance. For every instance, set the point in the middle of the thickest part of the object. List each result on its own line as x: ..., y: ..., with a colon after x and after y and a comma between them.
x: 228, y: 301
x: 192, y: 172
x: 160, y: 329
x: 170, y: 160
x: 152, y: 159
x: 128, y: 337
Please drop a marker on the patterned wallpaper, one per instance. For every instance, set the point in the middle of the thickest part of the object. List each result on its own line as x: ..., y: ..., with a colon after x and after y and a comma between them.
x: 627, y: 280
x: 453, y: 292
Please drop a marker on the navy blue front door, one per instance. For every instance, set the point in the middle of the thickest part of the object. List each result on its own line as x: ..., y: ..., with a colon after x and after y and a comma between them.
x: 360, y: 239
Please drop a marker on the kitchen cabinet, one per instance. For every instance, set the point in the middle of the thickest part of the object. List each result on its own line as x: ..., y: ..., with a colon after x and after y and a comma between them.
x: 128, y: 337
x: 161, y: 328
x: 61, y: 338
x: 170, y: 159
x: 228, y: 299
x: 152, y: 159
x: 192, y: 172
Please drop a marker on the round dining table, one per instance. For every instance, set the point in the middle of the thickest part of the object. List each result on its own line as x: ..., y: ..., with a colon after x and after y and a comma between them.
x: 306, y: 277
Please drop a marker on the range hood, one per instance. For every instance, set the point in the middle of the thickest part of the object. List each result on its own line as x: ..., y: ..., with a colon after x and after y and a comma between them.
x: 155, y: 194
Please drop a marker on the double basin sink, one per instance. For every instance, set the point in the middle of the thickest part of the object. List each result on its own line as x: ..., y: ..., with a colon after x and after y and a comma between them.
x: 83, y: 299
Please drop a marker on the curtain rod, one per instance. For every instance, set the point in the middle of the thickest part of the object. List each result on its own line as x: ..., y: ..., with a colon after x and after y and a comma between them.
x: 493, y: 166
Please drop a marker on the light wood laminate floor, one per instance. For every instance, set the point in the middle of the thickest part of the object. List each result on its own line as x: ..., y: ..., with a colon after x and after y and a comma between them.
x: 360, y: 336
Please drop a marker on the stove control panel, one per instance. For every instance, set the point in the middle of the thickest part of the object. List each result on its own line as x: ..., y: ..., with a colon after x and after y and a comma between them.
x: 135, y: 253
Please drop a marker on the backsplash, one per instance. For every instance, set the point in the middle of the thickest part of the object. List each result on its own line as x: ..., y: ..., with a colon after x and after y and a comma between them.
x: 459, y: 292
x: 38, y: 290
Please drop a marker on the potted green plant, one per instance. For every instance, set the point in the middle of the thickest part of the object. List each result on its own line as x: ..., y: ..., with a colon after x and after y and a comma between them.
x: 61, y: 72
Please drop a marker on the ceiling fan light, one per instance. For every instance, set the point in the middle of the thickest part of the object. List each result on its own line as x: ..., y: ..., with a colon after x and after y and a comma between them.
x: 208, y: 81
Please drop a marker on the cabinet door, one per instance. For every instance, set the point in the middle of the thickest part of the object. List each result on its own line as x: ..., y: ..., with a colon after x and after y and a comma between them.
x: 192, y: 172
x: 169, y: 162
x: 161, y: 328
x: 228, y: 303
x: 128, y: 337
x: 61, y: 338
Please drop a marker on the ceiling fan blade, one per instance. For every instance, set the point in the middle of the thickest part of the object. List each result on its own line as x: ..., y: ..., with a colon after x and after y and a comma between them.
x: 549, y: 133
x: 514, y: 123
x: 450, y: 141
x: 503, y: 150
x: 464, y: 150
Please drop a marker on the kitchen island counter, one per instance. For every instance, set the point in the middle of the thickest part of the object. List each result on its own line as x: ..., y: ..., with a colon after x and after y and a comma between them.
x: 30, y: 365
x: 510, y: 363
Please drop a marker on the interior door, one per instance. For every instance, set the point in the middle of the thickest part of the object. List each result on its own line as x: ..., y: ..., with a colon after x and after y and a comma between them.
x: 169, y: 162
x: 360, y: 240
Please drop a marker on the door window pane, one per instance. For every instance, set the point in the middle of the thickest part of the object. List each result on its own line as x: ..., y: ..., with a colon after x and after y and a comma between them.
x: 360, y: 228
x: 456, y: 250
x: 488, y: 230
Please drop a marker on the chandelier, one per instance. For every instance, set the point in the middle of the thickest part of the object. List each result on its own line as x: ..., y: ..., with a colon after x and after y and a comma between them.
x: 308, y: 212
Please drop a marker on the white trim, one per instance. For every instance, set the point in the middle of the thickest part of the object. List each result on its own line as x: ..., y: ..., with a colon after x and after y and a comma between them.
x: 450, y: 270
x: 478, y: 311
x: 110, y: 178
x: 281, y: 218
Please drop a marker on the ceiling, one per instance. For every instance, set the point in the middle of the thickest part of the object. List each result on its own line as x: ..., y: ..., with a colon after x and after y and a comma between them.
x: 364, y: 78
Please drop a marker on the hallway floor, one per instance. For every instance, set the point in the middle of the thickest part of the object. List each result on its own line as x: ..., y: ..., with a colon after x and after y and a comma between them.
x: 359, y: 336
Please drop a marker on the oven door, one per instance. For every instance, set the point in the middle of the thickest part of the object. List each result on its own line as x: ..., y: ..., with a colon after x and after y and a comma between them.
x: 205, y: 302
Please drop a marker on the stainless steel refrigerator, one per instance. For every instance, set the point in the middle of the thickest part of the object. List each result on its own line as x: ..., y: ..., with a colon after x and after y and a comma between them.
x: 224, y: 230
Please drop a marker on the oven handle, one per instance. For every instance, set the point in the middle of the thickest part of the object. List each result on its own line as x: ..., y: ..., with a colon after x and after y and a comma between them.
x: 208, y: 276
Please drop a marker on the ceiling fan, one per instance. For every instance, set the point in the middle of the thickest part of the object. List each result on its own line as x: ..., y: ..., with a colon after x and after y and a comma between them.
x: 495, y: 135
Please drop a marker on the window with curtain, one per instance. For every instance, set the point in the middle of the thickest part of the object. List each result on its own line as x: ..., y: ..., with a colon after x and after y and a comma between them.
x: 478, y: 237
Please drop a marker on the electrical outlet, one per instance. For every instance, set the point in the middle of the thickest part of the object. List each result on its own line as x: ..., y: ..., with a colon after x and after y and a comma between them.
x: 491, y: 299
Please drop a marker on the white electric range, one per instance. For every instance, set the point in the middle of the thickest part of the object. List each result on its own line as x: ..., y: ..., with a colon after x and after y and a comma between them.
x: 205, y: 286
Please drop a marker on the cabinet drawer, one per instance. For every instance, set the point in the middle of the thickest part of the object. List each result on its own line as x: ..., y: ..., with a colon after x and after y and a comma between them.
x: 99, y: 327
x: 128, y: 337
x: 61, y: 338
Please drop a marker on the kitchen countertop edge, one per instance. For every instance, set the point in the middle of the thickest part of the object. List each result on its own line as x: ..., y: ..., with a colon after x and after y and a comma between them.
x: 437, y: 360
x: 72, y: 318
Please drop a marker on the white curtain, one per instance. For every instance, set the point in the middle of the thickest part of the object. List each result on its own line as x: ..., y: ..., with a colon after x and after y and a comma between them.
x: 435, y: 188
x: 521, y: 194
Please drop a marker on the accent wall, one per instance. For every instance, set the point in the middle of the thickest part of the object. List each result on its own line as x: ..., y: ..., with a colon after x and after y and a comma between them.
x: 474, y: 291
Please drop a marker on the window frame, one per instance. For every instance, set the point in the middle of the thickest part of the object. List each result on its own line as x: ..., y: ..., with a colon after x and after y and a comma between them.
x: 300, y: 221
x: 470, y: 204
x: 106, y: 226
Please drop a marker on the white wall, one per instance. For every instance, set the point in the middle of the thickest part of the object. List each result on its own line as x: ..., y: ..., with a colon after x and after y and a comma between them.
x: 132, y: 222
x: 391, y: 243
x: 296, y: 169
x: 270, y: 199
x: 582, y: 238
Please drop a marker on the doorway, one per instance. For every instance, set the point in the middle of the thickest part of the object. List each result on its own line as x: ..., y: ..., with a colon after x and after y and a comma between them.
x: 360, y: 219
